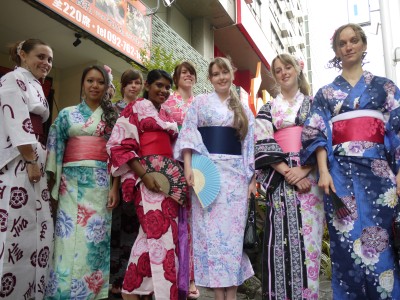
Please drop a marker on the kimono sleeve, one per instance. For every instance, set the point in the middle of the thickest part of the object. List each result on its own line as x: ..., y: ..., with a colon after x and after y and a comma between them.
x: 56, y: 142
x: 189, y: 137
x: 15, y: 112
x: 124, y: 143
x: 267, y: 150
x: 392, y: 128
x: 316, y: 131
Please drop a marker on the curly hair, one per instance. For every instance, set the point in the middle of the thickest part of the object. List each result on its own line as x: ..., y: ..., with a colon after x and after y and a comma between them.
x: 336, y: 62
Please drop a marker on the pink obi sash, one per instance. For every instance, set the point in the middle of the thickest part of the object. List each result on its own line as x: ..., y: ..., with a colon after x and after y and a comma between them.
x: 156, y: 143
x: 362, y: 125
x: 37, y: 126
x: 85, y: 148
x: 289, y: 139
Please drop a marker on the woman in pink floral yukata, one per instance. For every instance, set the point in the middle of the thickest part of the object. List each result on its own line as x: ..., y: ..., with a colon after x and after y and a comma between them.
x: 178, y: 103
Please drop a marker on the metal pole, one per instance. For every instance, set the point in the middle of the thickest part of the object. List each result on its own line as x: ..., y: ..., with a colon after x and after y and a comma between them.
x: 387, y: 39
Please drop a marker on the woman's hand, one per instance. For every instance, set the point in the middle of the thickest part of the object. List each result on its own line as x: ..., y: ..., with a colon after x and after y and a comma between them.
x: 295, y: 174
x: 34, y: 173
x: 303, y: 186
x: 252, y: 187
x: 325, y: 182
x: 151, y: 183
x: 189, y: 176
x: 113, y: 198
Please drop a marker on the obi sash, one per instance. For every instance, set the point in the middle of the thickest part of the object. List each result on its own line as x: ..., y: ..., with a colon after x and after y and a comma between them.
x: 360, y: 125
x: 85, y: 148
x: 289, y: 139
x: 37, y: 126
x: 156, y: 143
x: 221, y: 140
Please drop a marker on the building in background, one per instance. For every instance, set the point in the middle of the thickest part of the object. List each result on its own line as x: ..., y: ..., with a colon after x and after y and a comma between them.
x: 112, y: 32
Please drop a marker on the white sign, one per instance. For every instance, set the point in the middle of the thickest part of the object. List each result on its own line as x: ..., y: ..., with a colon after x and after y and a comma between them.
x: 359, y: 12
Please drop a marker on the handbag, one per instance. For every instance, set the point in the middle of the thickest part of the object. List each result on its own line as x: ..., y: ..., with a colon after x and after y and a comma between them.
x: 251, y: 240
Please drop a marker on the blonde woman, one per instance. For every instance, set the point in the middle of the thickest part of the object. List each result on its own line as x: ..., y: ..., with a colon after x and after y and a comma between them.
x: 219, y: 261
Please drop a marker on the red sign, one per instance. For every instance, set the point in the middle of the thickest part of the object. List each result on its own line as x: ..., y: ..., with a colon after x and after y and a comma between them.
x: 122, y: 24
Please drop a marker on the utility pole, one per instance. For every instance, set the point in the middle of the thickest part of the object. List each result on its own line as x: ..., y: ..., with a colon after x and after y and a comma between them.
x: 388, y: 50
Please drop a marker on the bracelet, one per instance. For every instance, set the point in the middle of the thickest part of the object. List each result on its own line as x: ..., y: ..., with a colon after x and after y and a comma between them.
x: 31, y: 162
x: 141, y: 176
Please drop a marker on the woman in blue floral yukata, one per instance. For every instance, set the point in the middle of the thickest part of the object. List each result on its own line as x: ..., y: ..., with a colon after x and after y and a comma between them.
x: 77, y: 163
x: 352, y: 132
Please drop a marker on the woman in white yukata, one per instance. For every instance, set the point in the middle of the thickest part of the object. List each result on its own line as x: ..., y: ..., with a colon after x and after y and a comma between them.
x: 219, y: 260
x: 26, y: 227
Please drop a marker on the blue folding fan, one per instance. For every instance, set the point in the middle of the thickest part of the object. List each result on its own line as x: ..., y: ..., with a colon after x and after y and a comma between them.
x: 207, y: 181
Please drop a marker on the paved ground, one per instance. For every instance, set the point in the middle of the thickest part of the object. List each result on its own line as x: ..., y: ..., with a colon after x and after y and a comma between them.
x: 325, y: 293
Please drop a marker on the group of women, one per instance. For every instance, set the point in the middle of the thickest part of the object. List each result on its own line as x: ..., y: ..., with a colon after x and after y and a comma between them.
x: 330, y: 159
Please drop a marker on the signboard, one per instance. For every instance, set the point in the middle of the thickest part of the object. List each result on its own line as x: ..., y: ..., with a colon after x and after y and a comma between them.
x: 122, y: 24
x: 359, y: 12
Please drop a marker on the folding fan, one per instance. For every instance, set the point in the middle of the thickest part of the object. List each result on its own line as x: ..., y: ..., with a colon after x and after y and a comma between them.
x: 207, y: 181
x: 169, y: 175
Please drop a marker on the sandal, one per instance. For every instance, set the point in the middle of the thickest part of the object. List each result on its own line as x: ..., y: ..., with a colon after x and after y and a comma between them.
x: 193, y: 294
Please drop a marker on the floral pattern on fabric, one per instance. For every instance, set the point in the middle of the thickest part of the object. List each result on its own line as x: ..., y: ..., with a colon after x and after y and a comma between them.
x: 219, y: 260
x: 82, y: 241
x: 361, y: 244
x: 294, y: 221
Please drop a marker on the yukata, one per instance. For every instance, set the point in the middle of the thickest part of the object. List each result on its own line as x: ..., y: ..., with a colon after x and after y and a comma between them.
x: 26, y: 226
x: 177, y: 107
x: 142, y: 130
x: 124, y: 229
x: 294, y: 221
x: 218, y: 230
x: 358, y: 127
x: 81, y: 260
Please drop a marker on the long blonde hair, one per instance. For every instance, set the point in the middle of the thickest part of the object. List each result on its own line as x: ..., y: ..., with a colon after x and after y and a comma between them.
x: 240, y: 121
x: 288, y: 59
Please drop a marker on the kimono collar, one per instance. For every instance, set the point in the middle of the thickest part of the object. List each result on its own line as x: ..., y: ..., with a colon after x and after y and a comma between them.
x: 340, y: 81
x: 26, y: 73
x: 297, y: 98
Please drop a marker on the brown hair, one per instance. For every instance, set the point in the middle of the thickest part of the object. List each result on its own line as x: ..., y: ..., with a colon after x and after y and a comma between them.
x: 336, y: 61
x: 128, y: 76
x: 27, y: 46
x: 178, y: 71
x: 240, y: 121
x: 288, y: 59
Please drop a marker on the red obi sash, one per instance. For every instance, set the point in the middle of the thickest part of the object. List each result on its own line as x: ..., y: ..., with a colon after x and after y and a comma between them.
x: 156, y: 143
x: 289, y: 139
x: 85, y: 148
x: 37, y: 126
x: 369, y: 129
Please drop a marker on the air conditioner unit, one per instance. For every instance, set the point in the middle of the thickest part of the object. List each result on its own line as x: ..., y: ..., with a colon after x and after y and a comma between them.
x: 300, y: 19
x: 291, y: 49
x: 284, y: 30
x: 289, y: 14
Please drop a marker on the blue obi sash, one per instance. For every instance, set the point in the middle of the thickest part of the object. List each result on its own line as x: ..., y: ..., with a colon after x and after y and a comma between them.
x: 221, y: 140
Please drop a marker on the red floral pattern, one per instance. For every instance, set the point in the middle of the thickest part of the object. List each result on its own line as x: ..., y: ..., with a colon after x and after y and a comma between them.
x: 95, y: 281
x: 84, y: 214
x: 157, y: 224
x: 144, y: 265
x: 132, y: 278
x: 170, y: 208
x: 169, y: 266
x: 128, y: 186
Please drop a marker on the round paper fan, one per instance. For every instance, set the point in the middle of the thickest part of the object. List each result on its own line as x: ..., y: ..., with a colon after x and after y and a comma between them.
x: 169, y: 175
x: 207, y: 181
